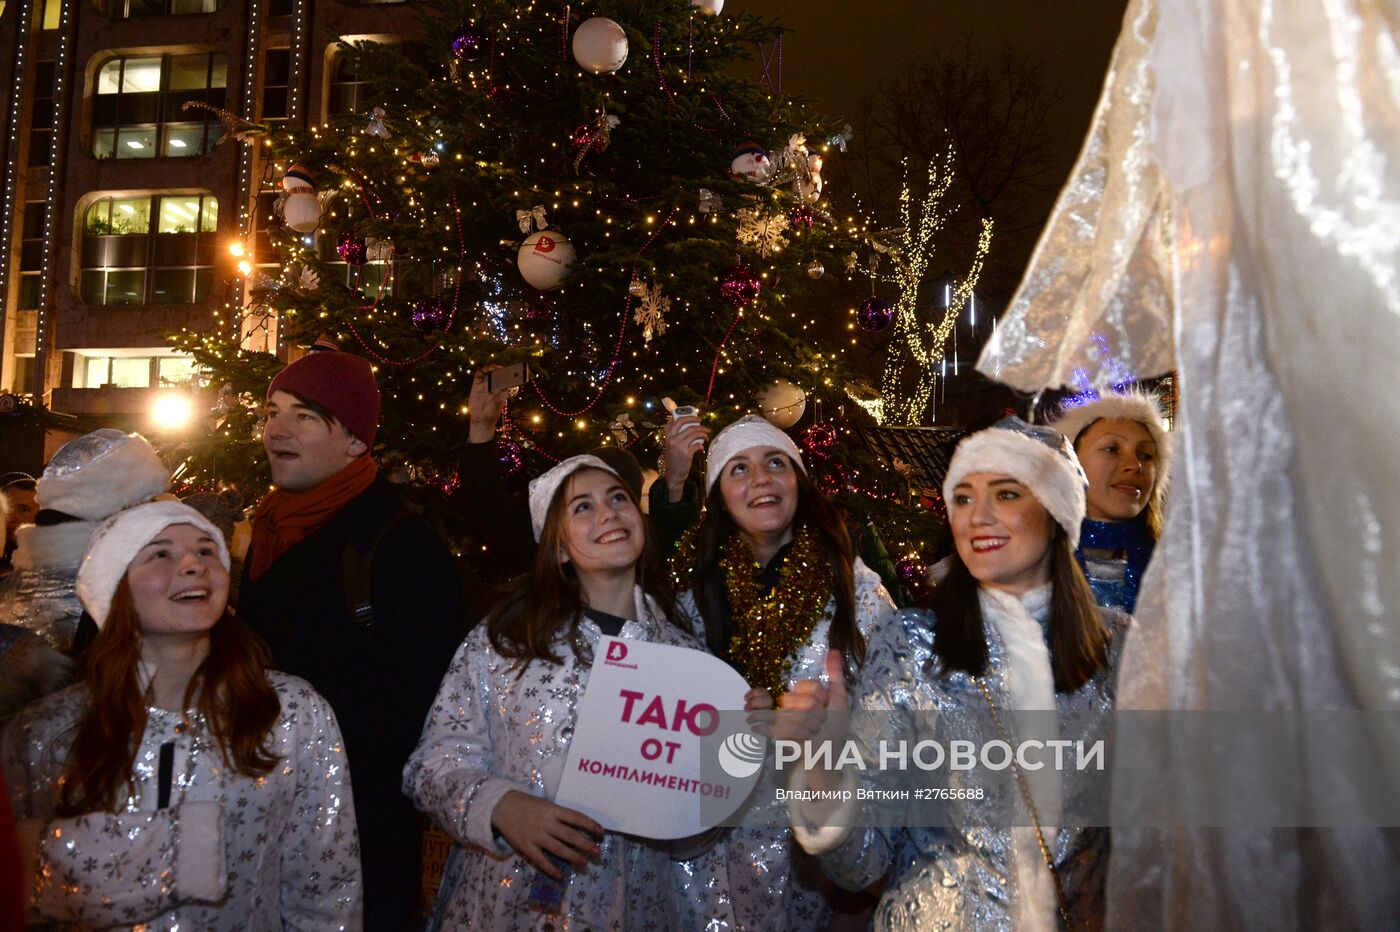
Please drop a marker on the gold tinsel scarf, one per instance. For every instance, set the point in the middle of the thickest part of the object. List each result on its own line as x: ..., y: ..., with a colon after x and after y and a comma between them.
x: 768, y: 630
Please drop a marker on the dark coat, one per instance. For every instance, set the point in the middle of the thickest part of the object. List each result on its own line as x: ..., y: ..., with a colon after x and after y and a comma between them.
x: 380, y: 680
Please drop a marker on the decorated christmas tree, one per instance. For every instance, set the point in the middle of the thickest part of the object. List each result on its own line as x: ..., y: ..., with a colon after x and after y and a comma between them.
x: 615, y: 193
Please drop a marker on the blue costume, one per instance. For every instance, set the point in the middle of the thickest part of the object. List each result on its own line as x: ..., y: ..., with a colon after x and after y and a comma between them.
x: 1115, y: 579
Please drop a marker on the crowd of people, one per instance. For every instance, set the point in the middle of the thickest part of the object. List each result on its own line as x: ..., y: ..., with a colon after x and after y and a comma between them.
x: 197, y: 738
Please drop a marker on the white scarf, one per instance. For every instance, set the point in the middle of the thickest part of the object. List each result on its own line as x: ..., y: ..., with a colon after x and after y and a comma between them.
x: 1030, y: 685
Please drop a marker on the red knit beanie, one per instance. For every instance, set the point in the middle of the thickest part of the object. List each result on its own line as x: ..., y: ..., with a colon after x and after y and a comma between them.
x: 339, y: 382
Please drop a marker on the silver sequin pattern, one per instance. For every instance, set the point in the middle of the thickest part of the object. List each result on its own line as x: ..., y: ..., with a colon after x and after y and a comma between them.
x: 491, y: 731
x: 956, y: 877
x: 290, y: 852
x: 758, y: 878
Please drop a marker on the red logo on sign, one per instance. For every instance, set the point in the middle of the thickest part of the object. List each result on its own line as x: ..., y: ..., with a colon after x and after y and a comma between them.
x: 544, y: 244
x: 617, y: 651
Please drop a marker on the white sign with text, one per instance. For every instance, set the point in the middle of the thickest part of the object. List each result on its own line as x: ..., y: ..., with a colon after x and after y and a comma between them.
x: 635, y: 760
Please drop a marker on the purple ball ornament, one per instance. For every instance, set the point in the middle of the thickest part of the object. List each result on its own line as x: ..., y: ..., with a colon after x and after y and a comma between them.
x: 468, y: 43
x: 431, y: 314
x: 512, y: 458
x: 351, y: 248
x: 739, y: 286
x: 874, y: 315
x: 802, y: 215
x: 911, y: 571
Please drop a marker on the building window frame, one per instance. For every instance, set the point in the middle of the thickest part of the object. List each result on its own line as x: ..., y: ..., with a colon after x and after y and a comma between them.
x: 136, y: 123
x: 145, y: 249
x: 142, y: 9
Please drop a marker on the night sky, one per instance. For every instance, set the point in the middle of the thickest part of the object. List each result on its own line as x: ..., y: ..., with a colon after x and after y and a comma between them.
x: 839, y: 51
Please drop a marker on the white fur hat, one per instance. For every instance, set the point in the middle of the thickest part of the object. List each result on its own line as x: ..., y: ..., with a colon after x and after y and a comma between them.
x: 749, y: 431
x: 101, y: 473
x: 116, y: 541
x: 544, y: 487
x: 1038, y: 457
x: 1132, y: 405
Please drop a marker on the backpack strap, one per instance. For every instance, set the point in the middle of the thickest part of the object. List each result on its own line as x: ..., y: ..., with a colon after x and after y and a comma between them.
x: 357, y: 567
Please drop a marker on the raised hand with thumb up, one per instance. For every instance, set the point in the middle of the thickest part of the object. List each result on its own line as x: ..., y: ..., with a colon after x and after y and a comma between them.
x: 812, y: 711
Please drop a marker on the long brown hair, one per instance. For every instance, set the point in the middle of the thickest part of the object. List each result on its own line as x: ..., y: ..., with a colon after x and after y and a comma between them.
x: 1079, y: 640
x: 814, y: 510
x: 235, y: 698
x: 534, y: 607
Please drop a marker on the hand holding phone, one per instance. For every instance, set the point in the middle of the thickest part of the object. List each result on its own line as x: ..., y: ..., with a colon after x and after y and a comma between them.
x: 507, y: 377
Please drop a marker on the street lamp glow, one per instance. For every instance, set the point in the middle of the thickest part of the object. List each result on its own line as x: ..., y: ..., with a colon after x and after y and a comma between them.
x: 172, y: 410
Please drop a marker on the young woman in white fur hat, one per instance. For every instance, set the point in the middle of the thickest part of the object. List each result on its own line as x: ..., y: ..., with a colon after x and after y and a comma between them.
x: 494, y: 746
x: 180, y: 784
x: 1123, y: 444
x: 1012, y: 629
x: 770, y: 579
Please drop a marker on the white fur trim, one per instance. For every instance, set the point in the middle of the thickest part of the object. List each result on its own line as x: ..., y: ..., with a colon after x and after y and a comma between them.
x: 1055, y: 481
x: 1030, y: 685
x: 747, y: 432
x: 1133, y: 405
x: 116, y: 541
x: 53, y: 546
x: 544, y: 487
x: 120, y: 475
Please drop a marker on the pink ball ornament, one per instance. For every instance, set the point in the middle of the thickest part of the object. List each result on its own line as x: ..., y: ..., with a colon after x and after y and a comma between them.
x: 739, y: 286
x: 818, y: 441
x: 351, y: 248
x: 874, y: 315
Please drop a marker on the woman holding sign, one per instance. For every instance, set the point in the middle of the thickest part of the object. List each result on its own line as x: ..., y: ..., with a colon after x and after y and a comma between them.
x: 495, y: 744
x: 180, y: 785
x: 1013, y: 630
x: 773, y: 584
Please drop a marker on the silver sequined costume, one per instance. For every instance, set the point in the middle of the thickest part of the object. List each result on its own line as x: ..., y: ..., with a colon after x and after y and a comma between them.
x: 490, y: 732
x: 39, y: 593
x: 964, y: 876
x: 756, y: 878
x: 229, y: 853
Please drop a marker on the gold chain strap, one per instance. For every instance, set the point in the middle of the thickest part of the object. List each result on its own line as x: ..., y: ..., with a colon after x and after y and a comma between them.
x: 1061, y: 900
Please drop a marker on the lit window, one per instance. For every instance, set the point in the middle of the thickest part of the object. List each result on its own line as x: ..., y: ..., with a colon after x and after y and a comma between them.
x: 138, y: 111
x: 127, y: 260
x: 48, y: 14
x: 133, y: 371
x: 132, y: 9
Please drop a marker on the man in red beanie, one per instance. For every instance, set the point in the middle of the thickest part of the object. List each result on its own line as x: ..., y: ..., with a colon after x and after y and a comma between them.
x: 356, y: 596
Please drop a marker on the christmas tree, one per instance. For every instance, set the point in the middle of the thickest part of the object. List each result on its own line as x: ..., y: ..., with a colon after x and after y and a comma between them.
x: 601, y: 190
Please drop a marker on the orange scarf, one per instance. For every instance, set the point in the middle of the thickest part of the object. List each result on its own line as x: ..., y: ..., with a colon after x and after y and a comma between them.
x: 284, y: 518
